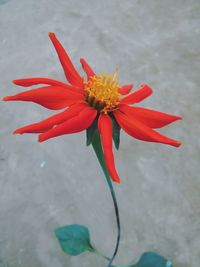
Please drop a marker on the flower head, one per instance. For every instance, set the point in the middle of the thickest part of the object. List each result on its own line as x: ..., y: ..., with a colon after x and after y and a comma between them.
x: 102, y: 92
x: 99, y: 98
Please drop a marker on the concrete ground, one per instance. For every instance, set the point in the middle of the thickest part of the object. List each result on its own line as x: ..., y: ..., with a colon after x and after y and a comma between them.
x: 59, y: 182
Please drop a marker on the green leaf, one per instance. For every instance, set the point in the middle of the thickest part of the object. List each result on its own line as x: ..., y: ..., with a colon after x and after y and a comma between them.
x: 152, y: 259
x: 74, y: 239
x: 116, y: 132
x: 90, y: 132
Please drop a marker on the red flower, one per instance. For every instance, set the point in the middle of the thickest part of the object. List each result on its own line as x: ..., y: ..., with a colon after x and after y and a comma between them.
x: 100, y: 97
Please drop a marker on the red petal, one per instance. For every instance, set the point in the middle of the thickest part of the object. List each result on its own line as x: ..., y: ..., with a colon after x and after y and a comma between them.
x: 125, y: 89
x: 142, y: 132
x: 76, y: 124
x: 71, y: 73
x: 88, y: 70
x: 47, y: 124
x: 137, y: 96
x: 151, y: 118
x: 37, y: 80
x: 52, y: 97
x: 105, y: 130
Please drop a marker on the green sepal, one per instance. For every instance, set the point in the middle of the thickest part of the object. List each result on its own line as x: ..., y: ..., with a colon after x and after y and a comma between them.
x: 116, y: 132
x: 152, y: 259
x: 74, y: 239
x: 90, y: 132
x: 96, y: 143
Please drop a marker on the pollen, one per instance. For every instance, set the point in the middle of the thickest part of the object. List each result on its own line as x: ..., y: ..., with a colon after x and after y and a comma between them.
x: 101, y: 92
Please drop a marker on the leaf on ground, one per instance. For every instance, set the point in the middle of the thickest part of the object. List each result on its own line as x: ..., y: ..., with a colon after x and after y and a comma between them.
x: 152, y: 259
x: 74, y: 239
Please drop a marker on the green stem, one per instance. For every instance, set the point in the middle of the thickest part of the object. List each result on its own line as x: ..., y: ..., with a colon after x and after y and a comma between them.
x: 96, y: 143
x: 94, y: 250
x: 118, y: 223
x: 100, y: 254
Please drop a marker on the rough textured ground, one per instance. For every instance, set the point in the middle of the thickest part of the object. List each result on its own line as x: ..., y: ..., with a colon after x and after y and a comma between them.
x: 154, y: 42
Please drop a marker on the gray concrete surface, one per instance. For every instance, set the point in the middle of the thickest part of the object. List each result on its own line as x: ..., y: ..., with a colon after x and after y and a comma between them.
x: 152, y: 41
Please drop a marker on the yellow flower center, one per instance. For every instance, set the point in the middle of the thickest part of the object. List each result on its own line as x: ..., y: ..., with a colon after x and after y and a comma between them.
x: 102, y: 92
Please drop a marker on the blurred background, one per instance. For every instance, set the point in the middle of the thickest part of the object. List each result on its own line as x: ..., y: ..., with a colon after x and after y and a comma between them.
x: 59, y: 182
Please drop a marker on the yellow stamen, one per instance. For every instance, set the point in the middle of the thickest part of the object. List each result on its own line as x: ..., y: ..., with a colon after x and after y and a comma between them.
x: 102, y: 92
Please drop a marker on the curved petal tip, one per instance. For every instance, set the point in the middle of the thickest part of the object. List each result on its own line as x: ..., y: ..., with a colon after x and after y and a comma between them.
x: 40, y: 139
x: 116, y: 180
x: 178, y: 144
x: 17, y: 131
x: 6, y: 98
x: 179, y: 118
x: 50, y: 33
